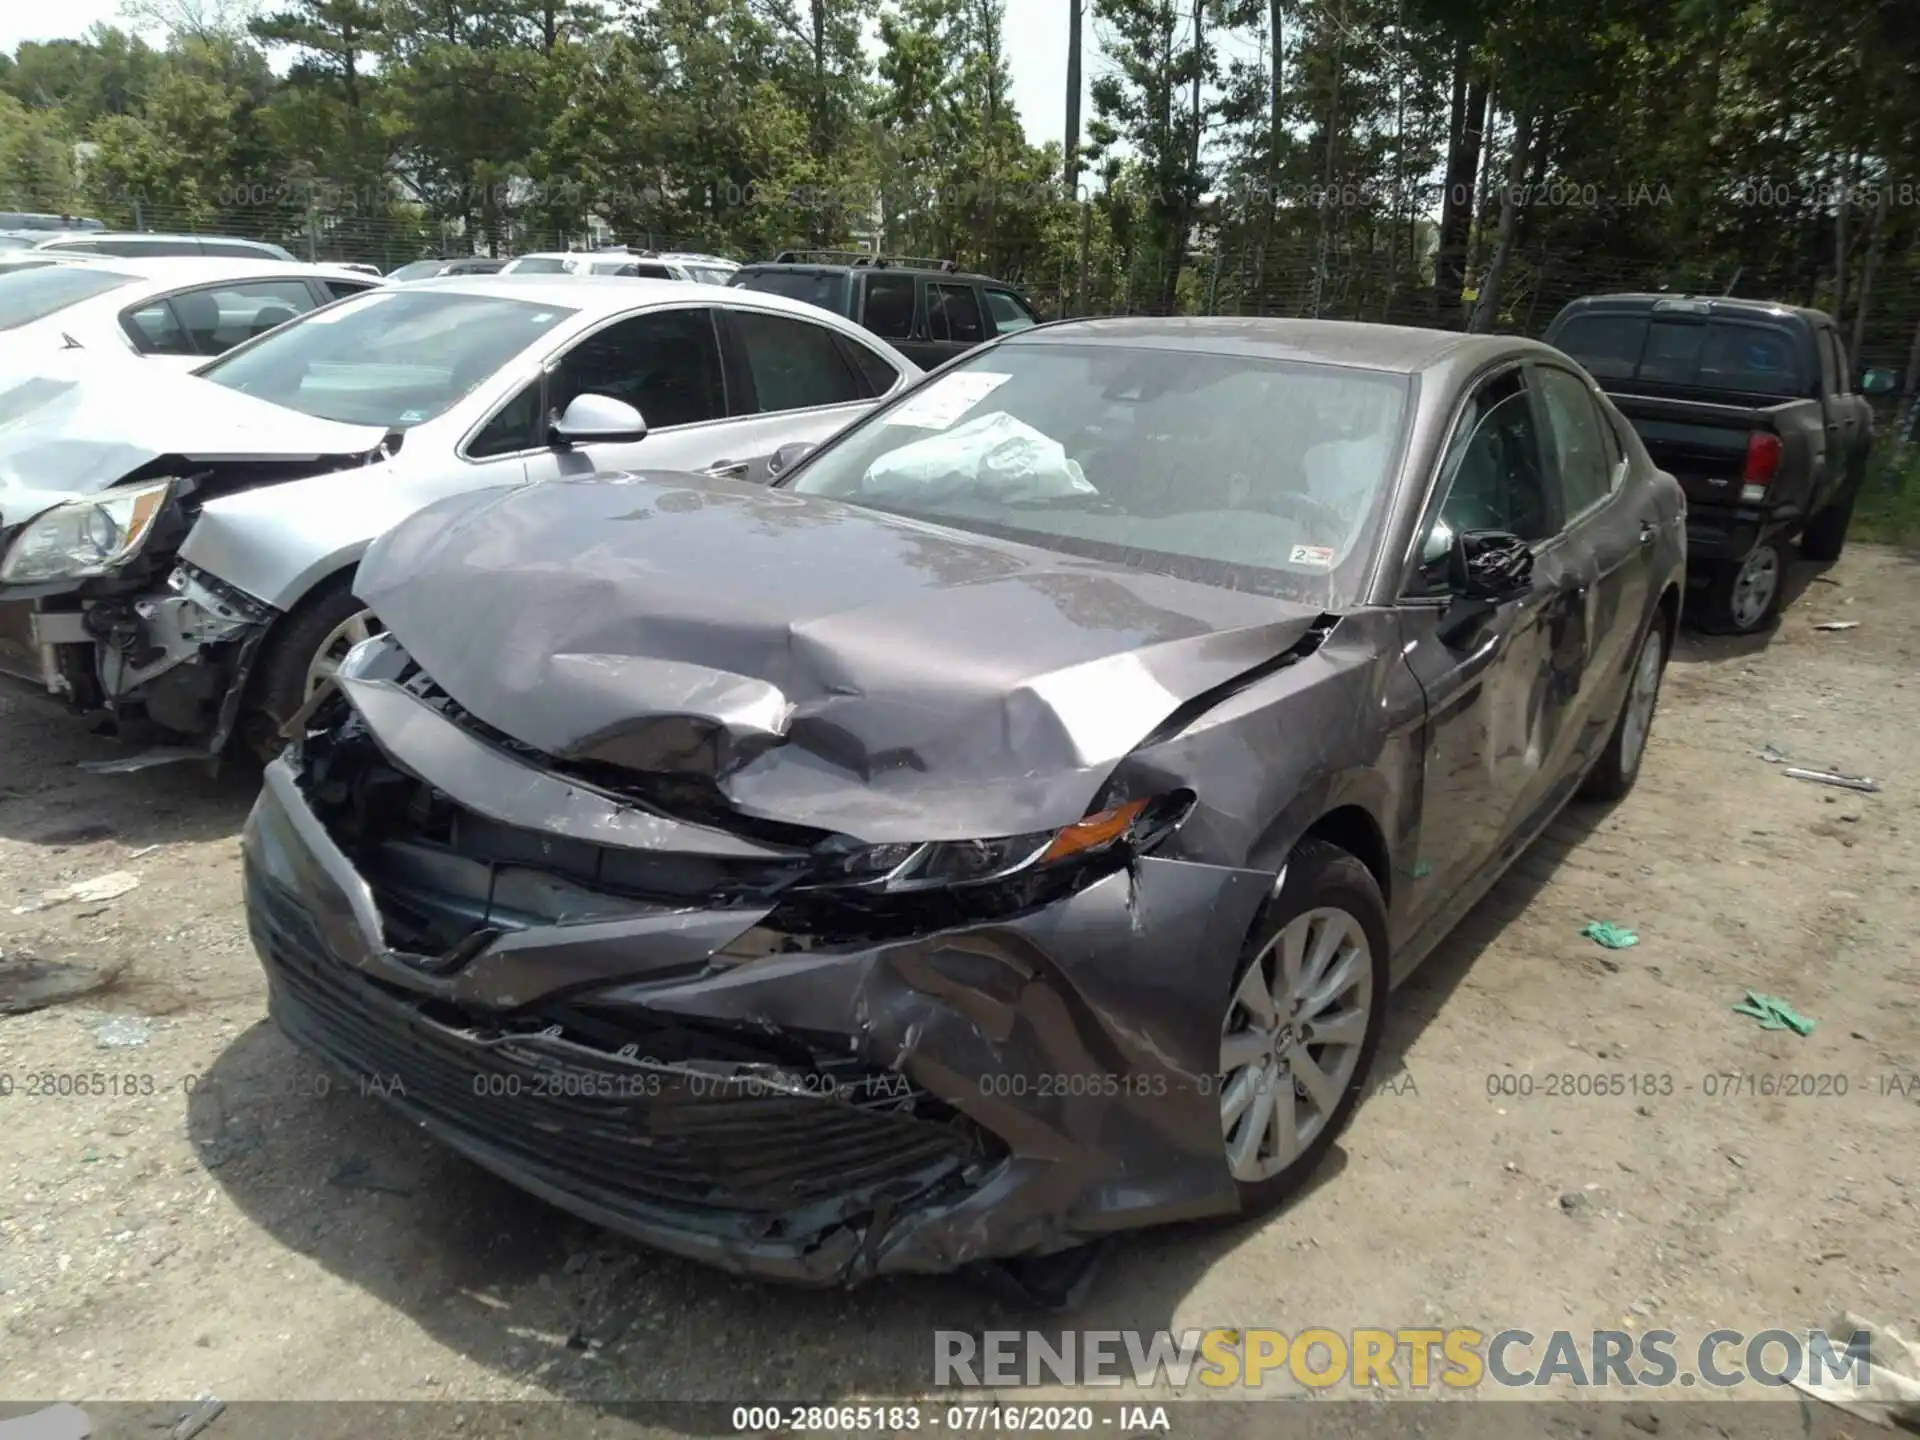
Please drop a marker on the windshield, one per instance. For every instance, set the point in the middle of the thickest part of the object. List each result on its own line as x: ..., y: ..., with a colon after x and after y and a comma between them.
x: 33, y: 294
x: 709, y: 274
x: 827, y: 290
x: 1262, y: 475
x: 1716, y: 355
x: 390, y: 357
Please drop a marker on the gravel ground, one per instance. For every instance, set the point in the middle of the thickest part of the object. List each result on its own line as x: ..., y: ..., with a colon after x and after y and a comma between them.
x: 240, y: 1225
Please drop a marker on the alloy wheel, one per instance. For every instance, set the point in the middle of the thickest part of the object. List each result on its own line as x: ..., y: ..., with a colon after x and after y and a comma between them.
x: 361, y: 625
x: 1641, y: 699
x: 1292, y: 1039
x: 1755, y: 586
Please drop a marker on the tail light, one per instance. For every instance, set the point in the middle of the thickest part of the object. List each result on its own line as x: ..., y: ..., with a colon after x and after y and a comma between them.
x: 1763, y: 463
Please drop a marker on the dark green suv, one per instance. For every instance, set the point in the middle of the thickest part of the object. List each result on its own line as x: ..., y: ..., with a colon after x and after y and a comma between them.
x: 926, y: 309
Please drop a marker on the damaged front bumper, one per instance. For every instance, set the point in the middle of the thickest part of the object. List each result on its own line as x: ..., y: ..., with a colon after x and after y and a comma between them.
x: 650, y: 1053
x: 180, y: 655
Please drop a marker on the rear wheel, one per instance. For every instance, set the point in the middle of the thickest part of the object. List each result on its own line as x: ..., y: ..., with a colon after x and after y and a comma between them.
x: 1619, y: 764
x: 1743, y: 598
x: 1303, y: 1023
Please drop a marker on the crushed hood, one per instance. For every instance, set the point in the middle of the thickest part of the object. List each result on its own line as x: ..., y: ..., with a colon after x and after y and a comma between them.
x: 825, y: 664
x: 72, y: 425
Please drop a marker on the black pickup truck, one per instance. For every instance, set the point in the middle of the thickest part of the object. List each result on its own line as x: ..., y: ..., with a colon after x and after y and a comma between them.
x: 1751, y: 407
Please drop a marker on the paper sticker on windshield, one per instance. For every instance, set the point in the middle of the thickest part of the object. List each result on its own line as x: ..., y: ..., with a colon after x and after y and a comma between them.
x: 946, y: 400
x: 1320, y: 556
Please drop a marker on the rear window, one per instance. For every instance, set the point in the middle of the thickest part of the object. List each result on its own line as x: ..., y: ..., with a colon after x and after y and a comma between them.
x: 1714, y: 355
x: 29, y: 295
x: 540, y: 267
x: 827, y: 290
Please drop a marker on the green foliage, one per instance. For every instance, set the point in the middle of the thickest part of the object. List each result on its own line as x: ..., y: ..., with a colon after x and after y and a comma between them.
x: 1251, y: 156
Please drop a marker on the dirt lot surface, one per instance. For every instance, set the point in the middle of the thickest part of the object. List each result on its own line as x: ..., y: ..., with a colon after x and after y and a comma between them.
x: 236, y: 1231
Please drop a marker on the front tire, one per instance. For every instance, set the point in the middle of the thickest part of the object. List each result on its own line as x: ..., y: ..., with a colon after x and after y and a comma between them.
x: 1619, y: 764
x: 308, y: 646
x: 1302, y: 1024
x: 1744, y: 598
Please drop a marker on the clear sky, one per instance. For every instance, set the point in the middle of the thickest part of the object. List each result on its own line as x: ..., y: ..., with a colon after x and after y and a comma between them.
x: 1036, y: 49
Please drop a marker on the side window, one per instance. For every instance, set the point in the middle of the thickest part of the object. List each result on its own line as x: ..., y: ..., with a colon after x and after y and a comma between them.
x: 953, y: 314
x: 252, y: 309
x: 340, y: 289
x: 1492, y: 474
x: 889, y: 309
x: 1009, y: 311
x: 1829, y: 370
x: 795, y: 365
x: 1575, y: 428
x: 156, y: 330
x: 666, y: 365
x: 518, y: 426
x: 879, y: 375
x: 649, y: 272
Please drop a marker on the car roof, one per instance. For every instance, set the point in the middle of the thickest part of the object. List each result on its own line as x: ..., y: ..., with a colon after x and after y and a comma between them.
x: 808, y: 267
x: 55, y: 241
x: 609, y: 293
x: 1395, y: 349
x: 1637, y: 303
x: 187, y: 269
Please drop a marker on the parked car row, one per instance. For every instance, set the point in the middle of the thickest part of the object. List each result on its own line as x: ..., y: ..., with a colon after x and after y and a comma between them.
x: 732, y: 780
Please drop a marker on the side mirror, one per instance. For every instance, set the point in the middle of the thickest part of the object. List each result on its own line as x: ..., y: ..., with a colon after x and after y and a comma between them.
x: 1489, y: 565
x: 1879, y: 382
x: 1484, y: 569
x: 788, y: 456
x: 598, y: 419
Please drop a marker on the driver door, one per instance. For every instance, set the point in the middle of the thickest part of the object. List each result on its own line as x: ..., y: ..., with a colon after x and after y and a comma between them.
x: 664, y: 363
x: 1498, y: 690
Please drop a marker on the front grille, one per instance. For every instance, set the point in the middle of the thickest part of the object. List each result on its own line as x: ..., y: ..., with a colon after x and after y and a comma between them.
x: 600, y: 1124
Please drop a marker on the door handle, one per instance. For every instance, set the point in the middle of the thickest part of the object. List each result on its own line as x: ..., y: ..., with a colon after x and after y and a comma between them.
x: 727, y: 469
x: 1648, y: 530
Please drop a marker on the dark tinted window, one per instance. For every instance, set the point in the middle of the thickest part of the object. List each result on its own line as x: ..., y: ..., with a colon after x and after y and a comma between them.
x: 1010, y: 312
x: 649, y: 272
x: 953, y: 314
x: 475, y: 267
x: 665, y: 365
x: 889, y: 312
x: 828, y: 291
x: 1672, y: 356
x: 518, y: 426
x: 1715, y: 354
x: 878, y: 374
x: 340, y: 289
x: 1607, y: 345
x: 795, y: 366
x: 28, y: 295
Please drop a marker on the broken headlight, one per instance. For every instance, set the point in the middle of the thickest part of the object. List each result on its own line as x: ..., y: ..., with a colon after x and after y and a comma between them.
x: 85, y: 538
x: 943, y: 864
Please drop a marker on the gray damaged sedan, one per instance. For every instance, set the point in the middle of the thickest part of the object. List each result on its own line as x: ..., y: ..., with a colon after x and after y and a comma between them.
x: 1004, y: 830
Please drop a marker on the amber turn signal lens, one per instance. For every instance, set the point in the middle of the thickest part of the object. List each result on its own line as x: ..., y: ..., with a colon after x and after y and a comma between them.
x: 1094, y: 831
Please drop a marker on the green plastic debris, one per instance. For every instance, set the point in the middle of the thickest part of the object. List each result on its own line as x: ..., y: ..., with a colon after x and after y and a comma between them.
x: 1773, y: 1013
x: 1614, y: 937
